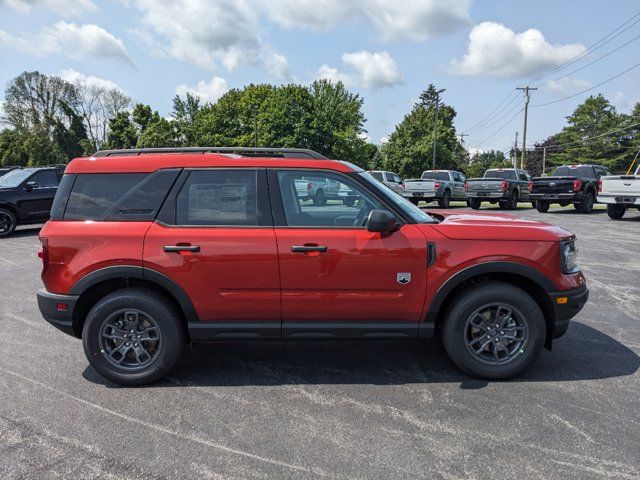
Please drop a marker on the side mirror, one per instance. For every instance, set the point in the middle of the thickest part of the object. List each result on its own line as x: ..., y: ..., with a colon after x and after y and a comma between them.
x: 381, y: 221
x: 30, y: 186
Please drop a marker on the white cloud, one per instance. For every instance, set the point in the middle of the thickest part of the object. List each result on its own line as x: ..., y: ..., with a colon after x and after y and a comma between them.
x: 76, y: 41
x: 65, y: 8
x: 75, y: 77
x: 277, y: 65
x: 394, y: 20
x: 498, y: 51
x: 567, y: 86
x: 208, y: 92
x: 371, y: 70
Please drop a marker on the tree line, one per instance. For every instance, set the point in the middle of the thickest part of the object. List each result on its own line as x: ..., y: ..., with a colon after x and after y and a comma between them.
x: 48, y: 120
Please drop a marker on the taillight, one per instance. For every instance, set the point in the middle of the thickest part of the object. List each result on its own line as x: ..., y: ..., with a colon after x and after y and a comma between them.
x: 576, y: 185
x: 466, y: 185
x: 43, y: 253
x: 436, y: 185
x: 599, y: 186
x: 531, y: 186
x: 505, y: 185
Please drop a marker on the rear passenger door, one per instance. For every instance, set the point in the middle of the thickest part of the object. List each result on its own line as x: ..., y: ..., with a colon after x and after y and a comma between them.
x: 214, y: 237
x: 39, y: 191
x: 458, y: 185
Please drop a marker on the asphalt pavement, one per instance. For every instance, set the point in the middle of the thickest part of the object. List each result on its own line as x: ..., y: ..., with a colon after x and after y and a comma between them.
x: 378, y: 409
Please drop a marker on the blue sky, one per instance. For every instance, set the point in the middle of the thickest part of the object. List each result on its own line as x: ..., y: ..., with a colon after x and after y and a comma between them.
x: 386, y: 51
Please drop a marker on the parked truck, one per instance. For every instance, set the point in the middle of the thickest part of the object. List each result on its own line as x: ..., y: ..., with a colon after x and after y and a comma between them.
x: 440, y: 185
x: 620, y: 192
x: 505, y: 186
x: 575, y: 184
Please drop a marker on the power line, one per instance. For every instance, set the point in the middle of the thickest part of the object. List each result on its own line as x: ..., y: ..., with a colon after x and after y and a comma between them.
x: 588, y: 89
x: 499, y: 130
x: 589, y: 138
x: 487, y: 117
x: 501, y: 117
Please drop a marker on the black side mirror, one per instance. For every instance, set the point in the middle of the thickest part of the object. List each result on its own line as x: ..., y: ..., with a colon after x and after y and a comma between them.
x: 381, y: 221
x: 30, y: 186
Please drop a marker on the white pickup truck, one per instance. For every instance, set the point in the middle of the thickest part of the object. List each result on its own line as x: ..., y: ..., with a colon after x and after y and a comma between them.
x: 620, y: 192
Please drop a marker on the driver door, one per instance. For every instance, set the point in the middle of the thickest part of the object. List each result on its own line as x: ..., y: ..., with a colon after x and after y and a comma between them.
x: 332, y: 269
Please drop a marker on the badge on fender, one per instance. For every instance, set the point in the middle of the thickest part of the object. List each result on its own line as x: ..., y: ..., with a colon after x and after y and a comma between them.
x: 403, y: 278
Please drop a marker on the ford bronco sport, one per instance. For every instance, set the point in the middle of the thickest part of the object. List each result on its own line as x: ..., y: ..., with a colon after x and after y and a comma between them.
x: 149, y: 250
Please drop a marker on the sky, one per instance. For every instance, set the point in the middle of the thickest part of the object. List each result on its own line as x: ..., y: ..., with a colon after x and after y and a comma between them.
x: 386, y: 51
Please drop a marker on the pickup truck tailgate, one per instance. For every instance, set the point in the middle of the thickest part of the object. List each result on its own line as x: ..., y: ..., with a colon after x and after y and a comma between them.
x: 553, y: 185
x: 421, y: 186
x: 625, y: 185
x: 485, y: 184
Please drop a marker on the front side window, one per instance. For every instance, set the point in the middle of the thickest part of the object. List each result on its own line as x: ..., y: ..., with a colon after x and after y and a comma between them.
x: 324, y: 199
x: 218, y: 198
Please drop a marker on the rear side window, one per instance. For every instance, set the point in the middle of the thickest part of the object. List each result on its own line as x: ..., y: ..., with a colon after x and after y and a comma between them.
x: 218, y: 198
x: 62, y: 195
x: 118, y: 196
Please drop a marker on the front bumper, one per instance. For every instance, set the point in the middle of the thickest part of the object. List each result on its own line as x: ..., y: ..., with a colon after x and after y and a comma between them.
x: 627, y: 200
x: 566, y: 305
x: 52, y: 308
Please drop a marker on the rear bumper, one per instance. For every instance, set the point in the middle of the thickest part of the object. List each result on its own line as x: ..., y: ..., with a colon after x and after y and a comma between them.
x: 627, y: 200
x: 52, y: 308
x: 482, y: 195
x: 565, y: 310
x: 556, y: 196
x: 427, y: 197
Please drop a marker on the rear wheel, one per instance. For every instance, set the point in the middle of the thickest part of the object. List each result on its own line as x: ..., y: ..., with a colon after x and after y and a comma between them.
x: 349, y: 202
x: 616, y: 211
x: 512, y: 203
x: 8, y: 222
x: 319, y: 199
x: 415, y: 201
x: 475, y: 203
x: 444, y: 201
x: 133, y: 336
x: 586, y: 205
x: 493, y: 330
x: 542, y: 206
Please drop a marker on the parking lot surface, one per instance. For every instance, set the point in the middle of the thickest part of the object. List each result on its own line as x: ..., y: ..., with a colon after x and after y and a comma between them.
x: 332, y: 409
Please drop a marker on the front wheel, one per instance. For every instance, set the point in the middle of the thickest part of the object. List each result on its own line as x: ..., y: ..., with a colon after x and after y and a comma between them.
x: 8, y: 222
x: 133, y: 336
x: 493, y: 330
x: 616, y: 211
x: 475, y: 203
x: 444, y: 201
x: 542, y: 206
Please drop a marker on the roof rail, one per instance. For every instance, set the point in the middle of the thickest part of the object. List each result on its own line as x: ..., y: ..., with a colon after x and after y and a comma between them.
x: 243, y: 151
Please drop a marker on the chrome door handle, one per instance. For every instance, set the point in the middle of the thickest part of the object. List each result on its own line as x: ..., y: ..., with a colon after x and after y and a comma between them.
x: 309, y: 248
x: 181, y: 248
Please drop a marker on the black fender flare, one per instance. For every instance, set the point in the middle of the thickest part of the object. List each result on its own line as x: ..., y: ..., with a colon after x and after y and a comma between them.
x: 483, y: 269
x: 132, y: 271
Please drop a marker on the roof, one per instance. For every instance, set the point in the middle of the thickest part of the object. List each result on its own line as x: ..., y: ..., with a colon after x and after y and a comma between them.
x: 150, y: 162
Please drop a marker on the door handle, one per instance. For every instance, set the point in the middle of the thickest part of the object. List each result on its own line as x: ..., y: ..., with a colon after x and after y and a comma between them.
x: 309, y: 248
x: 181, y: 248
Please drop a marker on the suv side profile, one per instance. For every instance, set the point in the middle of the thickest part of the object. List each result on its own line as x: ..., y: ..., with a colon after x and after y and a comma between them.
x: 146, y: 252
x: 26, y: 196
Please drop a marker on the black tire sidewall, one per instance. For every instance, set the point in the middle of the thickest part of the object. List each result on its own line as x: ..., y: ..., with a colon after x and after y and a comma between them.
x: 445, y: 200
x: 473, y: 298
x: 542, y: 206
x: 615, y: 211
x: 586, y: 206
x: 474, y: 203
x: 150, y: 302
x: 13, y: 219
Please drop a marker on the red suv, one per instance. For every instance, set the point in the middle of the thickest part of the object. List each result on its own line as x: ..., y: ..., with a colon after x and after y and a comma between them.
x: 148, y: 250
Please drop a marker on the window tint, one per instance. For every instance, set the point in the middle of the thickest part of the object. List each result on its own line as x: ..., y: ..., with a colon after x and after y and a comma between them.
x: 396, y: 178
x: 45, y: 179
x: 574, y: 171
x: 62, y: 195
x: 435, y: 175
x: 377, y: 176
x: 218, y: 197
x: 523, y: 176
x: 505, y: 174
x: 330, y: 200
x: 94, y: 194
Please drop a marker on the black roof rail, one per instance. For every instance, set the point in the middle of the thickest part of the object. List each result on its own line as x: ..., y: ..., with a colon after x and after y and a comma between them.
x: 242, y: 151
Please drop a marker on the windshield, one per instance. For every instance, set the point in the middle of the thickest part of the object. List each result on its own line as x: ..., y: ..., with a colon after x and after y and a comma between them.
x: 14, y: 178
x: 435, y: 176
x: 402, y: 203
x: 507, y: 174
x: 573, y: 172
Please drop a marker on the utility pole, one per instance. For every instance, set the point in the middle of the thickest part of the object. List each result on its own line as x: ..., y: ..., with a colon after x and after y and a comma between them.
x: 527, y: 96
x: 544, y: 159
x: 514, y: 159
x: 435, y: 128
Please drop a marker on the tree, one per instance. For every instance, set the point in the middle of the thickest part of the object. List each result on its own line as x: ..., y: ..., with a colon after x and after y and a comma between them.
x: 122, y: 133
x: 409, y: 150
x: 184, y: 117
x: 69, y: 134
x: 12, y: 152
x: 158, y: 133
x: 482, y: 161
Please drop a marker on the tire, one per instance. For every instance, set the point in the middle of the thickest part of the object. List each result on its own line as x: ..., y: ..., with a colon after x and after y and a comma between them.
x: 445, y: 200
x: 475, y: 203
x: 150, y: 310
x: 461, y: 340
x: 512, y: 203
x: 319, y: 199
x: 349, y: 202
x: 415, y: 201
x: 542, y: 206
x: 8, y: 222
x: 586, y: 205
x: 503, y: 205
x: 616, y: 211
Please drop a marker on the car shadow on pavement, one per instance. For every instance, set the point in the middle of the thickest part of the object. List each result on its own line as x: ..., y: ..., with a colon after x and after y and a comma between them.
x: 25, y: 232
x: 583, y: 354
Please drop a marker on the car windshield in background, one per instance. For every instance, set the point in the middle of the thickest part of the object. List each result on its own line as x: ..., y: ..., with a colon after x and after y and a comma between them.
x: 435, y: 176
x: 405, y: 205
x: 506, y: 174
x: 15, y: 178
x: 573, y: 172
x: 377, y: 176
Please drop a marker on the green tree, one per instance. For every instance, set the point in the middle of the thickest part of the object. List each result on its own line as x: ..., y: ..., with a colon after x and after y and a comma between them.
x: 122, y: 132
x: 158, y: 133
x: 482, y: 161
x: 410, y: 147
x: 184, y: 117
x: 12, y: 152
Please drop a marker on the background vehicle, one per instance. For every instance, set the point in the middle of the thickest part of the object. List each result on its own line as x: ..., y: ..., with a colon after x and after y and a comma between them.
x: 318, y: 190
x: 146, y: 252
x: 506, y: 186
x: 440, y: 185
x: 26, y: 196
x: 575, y: 184
x: 619, y: 193
x: 5, y: 170
x: 390, y: 179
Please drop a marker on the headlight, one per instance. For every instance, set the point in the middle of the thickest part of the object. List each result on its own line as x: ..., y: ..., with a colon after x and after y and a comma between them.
x: 569, y: 257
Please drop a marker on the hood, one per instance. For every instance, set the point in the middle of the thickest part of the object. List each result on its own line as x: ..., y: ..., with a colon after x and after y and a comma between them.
x: 492, y: 226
